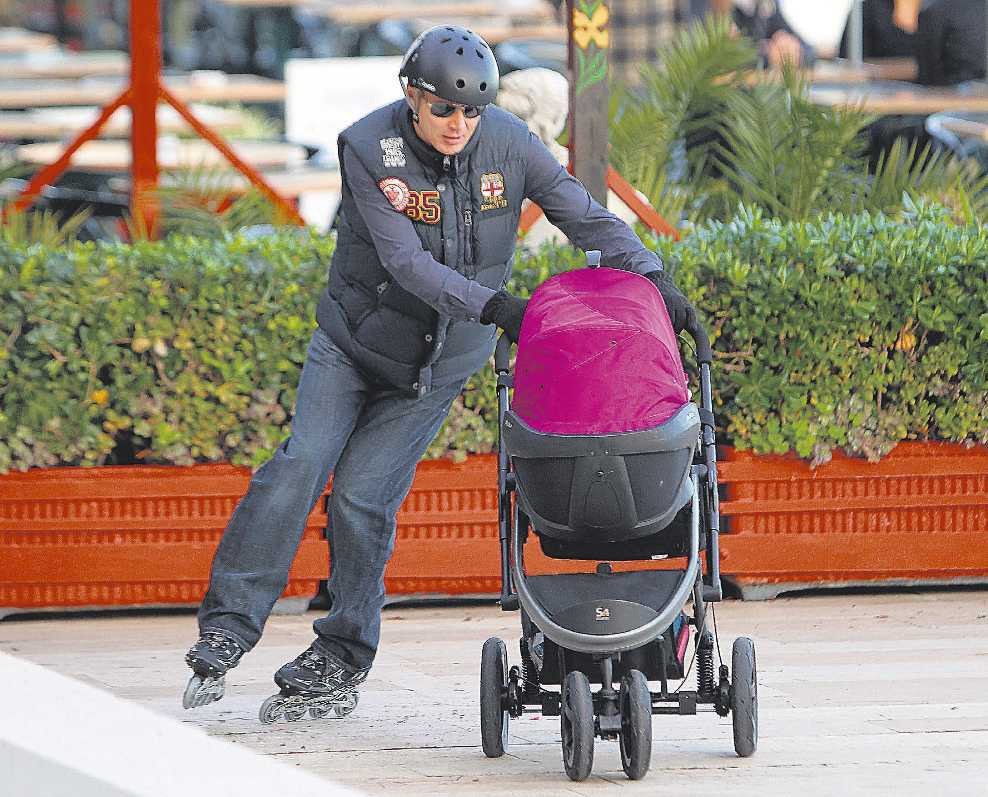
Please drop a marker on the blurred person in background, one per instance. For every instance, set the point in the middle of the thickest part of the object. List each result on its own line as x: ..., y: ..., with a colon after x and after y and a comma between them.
x: 887, y: 30
x: 946, y: 37
x: 763, y: 21
x: 950, y: 38
x: 640, y: 29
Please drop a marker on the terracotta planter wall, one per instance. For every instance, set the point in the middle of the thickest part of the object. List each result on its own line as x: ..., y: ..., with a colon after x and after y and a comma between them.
x: 119, y: 536
x: 918, y: 516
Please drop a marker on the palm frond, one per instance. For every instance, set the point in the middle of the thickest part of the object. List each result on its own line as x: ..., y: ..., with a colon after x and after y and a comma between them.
x: 650, y: 124
x: 44, y: 227
x: 204, y: 202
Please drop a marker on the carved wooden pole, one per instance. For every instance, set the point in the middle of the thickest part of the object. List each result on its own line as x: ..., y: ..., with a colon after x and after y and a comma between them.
x: 589, y: 41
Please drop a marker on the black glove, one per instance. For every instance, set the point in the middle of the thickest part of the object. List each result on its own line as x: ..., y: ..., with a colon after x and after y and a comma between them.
x: 681, y: 312
x: 506, y: 311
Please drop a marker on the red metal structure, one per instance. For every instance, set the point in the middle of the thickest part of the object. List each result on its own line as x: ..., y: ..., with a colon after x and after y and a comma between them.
x: 143, y: 94
x: 627, y: 194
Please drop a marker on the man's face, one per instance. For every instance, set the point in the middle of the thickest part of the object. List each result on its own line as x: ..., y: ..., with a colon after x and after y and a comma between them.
x: 448, y: 135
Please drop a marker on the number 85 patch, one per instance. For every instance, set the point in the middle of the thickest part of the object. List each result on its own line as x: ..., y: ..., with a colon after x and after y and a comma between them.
x: 417, y: 205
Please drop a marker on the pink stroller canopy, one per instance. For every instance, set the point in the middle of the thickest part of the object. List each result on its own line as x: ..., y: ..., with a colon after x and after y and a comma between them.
x: 597, y: 355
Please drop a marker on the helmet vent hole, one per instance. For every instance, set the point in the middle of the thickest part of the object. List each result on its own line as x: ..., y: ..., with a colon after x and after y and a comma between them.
x: 449, y: 28
x: 459, y: 51
x: 480, y: 55
x: 466, y: 38
x: 460, y: 84
x: 483, y: 86
x: 447, y: 39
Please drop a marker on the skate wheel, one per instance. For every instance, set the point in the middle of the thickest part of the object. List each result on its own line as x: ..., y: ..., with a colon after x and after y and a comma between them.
x: 346, y: 705
x: 744, y: 696
x: 320, y: 712
x: 202, y: 691
x: 576, y: 720
x: 636, y: 725
x: 272, y: 709
x: 294, y: 714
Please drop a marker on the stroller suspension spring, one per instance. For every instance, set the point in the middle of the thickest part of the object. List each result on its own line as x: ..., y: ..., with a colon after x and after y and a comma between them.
x: 705, y: 664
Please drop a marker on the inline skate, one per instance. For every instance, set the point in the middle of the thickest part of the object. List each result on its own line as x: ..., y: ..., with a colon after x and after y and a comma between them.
x: 210, y: 658
x: 313, y: 683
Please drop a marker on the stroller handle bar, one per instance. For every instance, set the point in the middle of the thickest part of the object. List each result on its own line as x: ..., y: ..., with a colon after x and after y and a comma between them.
x: 704, y: 354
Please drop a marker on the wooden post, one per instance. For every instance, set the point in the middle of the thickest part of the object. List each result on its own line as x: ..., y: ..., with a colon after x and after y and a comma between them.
x: 589, y: 42
x: 145, y: 81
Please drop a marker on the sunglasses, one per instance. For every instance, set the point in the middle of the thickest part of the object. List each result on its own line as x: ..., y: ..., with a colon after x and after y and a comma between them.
x: 446, y: 109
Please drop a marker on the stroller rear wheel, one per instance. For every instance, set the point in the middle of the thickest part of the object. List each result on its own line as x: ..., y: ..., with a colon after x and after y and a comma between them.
x: 494, y: 697
x: 576, y: 720
x: 636, y: 725
x: 744, y: 696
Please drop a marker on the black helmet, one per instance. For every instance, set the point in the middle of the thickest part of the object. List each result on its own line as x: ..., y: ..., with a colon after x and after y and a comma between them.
x: 453, y: 63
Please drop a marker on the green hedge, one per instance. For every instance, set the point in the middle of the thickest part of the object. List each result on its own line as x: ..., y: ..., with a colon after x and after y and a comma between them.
x: 852, y: 333
x: 843, y: 332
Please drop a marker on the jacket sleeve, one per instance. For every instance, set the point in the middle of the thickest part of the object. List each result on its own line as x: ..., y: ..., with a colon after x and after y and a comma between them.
x: 402, y: 254
x: 589, y: 225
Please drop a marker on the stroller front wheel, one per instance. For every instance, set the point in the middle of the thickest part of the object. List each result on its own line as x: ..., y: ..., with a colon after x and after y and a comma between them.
x: 576, y: 720
x: 494, y: 697
x: 744, y: 696
x: 636, y: 725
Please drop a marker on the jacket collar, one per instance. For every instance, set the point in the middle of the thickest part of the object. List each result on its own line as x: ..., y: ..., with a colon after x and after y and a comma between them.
x: 427, y: 155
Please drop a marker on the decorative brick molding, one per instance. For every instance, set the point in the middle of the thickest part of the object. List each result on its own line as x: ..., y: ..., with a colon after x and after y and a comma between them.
x: 918, y: 516
x: 126, y: 536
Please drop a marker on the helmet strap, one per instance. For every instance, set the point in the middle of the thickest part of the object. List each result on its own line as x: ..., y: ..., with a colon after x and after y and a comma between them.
x: 408, y: 101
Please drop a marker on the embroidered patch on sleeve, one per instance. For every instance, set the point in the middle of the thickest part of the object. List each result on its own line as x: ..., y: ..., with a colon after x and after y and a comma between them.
x: 396, y: 192
x: 492, y: 190
x: 393, y: 153
x: 417, y: 205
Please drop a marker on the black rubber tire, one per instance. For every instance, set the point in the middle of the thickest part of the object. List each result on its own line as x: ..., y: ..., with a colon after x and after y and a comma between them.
x: 576, y: 722
x: 744, y: 697
x: 493, y: 697
x: 636, y: 725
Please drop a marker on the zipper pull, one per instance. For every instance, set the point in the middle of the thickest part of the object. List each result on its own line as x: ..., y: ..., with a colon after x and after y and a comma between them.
x: 445, y: 163
x: 468, y: 217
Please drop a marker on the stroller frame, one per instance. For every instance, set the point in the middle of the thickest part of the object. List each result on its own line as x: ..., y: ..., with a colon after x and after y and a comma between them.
x: 622, y: 714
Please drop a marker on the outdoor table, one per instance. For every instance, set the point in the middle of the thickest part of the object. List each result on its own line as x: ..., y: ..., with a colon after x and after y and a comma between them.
x: 105, y: 157
x: 495, y: 30
x: 841, y: 70
x: 56, y: 123
x: 892, y: 97
x: 365, y: 13
x: 17, y: 40
x: 60, y: 64
x: 288, y: 182
x: 191, y: 87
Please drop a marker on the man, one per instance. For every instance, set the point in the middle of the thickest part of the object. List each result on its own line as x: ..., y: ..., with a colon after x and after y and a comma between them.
x: 432, y: 190
x: 640, y: 29
x: 762, y: 21
x: 950, y: 39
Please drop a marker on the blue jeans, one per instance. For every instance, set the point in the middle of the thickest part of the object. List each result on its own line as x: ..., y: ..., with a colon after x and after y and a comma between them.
x: 370, y: 438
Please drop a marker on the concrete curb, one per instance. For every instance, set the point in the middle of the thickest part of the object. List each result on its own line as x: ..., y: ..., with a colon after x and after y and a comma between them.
x: 62, y: 737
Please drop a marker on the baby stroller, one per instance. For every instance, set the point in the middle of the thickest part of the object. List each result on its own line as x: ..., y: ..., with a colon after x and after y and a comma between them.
x: 605, y: 458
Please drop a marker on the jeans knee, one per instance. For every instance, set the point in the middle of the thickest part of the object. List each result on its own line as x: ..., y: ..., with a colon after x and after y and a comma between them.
x: 294, y: 472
